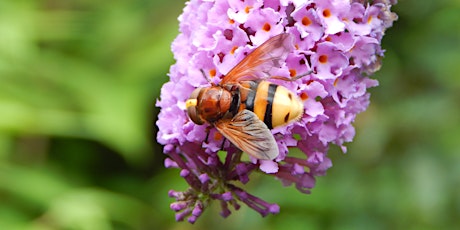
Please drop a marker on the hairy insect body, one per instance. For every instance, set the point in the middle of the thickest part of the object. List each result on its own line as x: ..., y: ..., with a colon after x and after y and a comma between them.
x: 244, y: 106
x: 273, y: 104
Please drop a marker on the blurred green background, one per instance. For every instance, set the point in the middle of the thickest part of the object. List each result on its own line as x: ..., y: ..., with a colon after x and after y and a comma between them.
x: 78, y: 84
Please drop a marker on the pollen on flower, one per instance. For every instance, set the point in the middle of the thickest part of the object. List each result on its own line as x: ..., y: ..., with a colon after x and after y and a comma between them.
x: 328, y: 39
x: 335, y: 82
x: 322, y: 59
x: 231, y: 21
x: 327, y: 13
x: 306, y: 21
x: 267, y: 27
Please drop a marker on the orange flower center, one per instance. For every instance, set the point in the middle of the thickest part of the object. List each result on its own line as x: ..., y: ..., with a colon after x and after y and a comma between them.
x: 336, y: 81
x: 369, y: 20
x: 322, y: 59
x: 306, y: 21
x: 303, y: 96
x: 246, y: 10
x: 267, y: 27
x: 218, y: 136
x: 327, y: 13
x: 212, y: 72
x: 233, y: 49
x: 292, y: 72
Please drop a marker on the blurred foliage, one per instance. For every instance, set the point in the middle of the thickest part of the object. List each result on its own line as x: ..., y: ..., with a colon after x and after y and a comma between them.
x: 78, y: 84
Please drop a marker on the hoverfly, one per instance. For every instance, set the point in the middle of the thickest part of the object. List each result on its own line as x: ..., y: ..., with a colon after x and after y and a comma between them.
x: 244, y: 106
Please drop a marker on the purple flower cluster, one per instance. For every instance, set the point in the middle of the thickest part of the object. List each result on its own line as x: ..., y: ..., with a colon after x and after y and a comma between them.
x: 338, y: 40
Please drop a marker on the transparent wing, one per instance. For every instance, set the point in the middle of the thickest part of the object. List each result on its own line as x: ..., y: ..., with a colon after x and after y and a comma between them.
x: 258, y: 63
x: 249, y: 134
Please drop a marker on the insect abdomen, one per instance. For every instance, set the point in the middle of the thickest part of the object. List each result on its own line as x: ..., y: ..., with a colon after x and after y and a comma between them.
x: 273, y: 104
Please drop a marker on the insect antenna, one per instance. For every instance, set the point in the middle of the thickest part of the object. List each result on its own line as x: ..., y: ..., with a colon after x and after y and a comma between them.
x: 206, y: 76
x: 292, y: 78
x: 301, y: 75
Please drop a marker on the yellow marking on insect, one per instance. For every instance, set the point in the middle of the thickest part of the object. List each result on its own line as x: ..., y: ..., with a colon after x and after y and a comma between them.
x: 260, y: 102
x: 287, y: 107
x: 190, y: 103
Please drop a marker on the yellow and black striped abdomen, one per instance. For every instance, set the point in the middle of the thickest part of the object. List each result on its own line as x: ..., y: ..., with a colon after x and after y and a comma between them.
x: 273, y: 104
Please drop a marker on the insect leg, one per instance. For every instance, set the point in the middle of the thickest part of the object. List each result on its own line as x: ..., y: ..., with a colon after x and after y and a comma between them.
x: 208, y: 129
x: 223, y: 144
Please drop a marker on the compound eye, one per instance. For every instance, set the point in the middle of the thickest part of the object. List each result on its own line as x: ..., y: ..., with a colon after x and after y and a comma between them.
x: 191, y: 105
x: 194, y: 116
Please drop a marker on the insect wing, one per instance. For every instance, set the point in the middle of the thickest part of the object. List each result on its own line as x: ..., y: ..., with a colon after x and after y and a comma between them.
x: 258, y: 63
x: 249, y: 134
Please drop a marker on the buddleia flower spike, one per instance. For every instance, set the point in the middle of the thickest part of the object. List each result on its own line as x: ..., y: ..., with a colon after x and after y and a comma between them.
x: 337, y: 41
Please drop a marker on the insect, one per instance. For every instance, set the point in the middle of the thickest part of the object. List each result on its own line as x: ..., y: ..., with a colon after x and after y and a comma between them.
x: 244, y: 106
